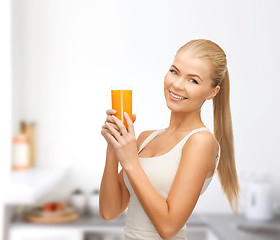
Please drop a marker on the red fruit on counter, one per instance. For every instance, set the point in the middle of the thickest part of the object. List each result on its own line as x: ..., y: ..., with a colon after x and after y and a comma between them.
x: 59, y: 206
x: 53, y: 207
x: 48, y: 207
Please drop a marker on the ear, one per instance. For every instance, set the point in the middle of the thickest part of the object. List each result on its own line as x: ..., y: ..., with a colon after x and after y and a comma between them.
x: 214, y: 93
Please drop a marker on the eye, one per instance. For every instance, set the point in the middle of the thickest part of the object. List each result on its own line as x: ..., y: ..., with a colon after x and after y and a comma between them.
x: 195, y: 81
x: 174, y: 72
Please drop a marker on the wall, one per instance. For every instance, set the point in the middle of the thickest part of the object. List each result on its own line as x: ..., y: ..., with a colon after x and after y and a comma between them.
x: 68, y: 53
x: 5, y: 107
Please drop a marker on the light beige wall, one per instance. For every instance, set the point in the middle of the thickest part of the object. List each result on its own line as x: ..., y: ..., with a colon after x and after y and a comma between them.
x: 69, y: 52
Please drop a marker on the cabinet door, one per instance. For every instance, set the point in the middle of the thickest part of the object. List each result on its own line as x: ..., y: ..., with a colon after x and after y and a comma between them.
x: 45, y: 234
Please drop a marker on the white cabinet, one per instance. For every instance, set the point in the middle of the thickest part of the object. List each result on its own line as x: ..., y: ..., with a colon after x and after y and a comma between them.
x: 85, y: 228
x: 26, y: 187
x: 45, y: 234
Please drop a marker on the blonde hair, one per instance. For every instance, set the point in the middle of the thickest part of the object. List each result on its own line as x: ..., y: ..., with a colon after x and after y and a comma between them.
x: 209, y: 50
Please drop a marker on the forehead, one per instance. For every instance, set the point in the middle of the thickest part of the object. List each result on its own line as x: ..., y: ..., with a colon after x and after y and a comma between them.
x: 188, y: 64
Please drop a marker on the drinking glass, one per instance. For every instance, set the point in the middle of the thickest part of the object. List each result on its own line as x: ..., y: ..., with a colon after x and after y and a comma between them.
x: 122, y: 101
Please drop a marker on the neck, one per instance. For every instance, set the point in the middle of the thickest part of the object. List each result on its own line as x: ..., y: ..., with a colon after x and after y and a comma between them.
x: 184, y: 122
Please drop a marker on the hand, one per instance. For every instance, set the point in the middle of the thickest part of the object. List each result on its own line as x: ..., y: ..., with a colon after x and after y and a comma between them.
x: 109, y: 119
x: 123, y: 142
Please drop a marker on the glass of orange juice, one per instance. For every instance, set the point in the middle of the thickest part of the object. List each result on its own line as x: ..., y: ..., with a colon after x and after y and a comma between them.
x: 122, y: 101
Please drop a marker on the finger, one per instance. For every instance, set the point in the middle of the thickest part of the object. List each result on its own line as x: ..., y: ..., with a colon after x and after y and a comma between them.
x: 133, y: 117
x: 113, y: 125
x: 129, y: 123
x: 116, y: 128
x: 103, y: 132
x: 110, y: 111
x: 114, y: 132
x: 111, y: 139
x: 106, y: 130
x: 120, y: 125
x: 110, y: 119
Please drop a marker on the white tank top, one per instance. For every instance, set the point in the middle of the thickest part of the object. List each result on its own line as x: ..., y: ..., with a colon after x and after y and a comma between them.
x: 161, y: 171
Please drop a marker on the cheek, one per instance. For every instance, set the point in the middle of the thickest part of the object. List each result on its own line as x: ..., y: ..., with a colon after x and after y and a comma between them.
x: 166, y: 85
x: 197, y: 94
x: 167, y: 80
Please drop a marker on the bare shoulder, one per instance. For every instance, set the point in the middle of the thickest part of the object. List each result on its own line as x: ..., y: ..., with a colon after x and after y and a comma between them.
x: 142, y: 136
x: 203, y: 143
x: 204, y: 137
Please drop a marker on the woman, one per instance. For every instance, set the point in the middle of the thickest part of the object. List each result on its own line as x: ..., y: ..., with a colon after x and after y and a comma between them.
x: 165, y: 171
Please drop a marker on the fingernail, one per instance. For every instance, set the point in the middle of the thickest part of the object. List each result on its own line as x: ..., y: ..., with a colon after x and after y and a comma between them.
x: 114, y: 111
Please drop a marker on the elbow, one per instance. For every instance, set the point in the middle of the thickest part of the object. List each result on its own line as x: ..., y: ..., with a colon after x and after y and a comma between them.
x: 165, y: 235
x: 109, y: 213
x: 104, y: 212
x: 167, y: 232
x: 106, y: 215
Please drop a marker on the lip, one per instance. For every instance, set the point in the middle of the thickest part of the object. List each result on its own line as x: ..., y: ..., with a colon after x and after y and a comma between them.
x: 175, y: 99
x: 177, y: 95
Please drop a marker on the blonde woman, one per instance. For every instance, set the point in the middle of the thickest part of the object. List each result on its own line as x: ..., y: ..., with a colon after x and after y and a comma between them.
x: 164, y: 171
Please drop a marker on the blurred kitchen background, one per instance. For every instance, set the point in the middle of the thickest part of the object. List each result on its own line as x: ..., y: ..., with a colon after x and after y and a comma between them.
x: 59, y: 59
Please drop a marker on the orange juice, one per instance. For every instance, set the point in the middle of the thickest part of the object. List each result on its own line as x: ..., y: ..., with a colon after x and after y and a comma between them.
x: 122, y: 102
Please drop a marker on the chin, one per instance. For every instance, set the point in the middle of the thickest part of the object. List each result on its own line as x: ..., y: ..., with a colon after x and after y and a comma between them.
x: 173, y: 107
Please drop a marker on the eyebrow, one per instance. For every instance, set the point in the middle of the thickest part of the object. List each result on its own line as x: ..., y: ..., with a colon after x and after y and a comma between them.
x: 188, y: 74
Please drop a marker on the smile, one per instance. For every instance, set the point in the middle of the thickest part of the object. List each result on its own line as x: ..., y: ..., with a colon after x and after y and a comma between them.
x: 176, y: 97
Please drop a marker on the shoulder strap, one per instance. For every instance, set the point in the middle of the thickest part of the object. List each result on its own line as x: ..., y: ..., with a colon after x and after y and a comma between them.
x: 218, y: 156
x: 149, y: 138
x: 183, y: 141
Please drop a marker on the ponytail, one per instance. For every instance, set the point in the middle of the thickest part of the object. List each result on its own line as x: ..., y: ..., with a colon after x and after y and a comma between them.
x: 206, y: 49
x: 224, y: 134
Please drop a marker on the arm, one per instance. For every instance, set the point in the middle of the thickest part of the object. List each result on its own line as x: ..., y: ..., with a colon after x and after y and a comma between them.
x: 114, y: 196
x: 169, y: 216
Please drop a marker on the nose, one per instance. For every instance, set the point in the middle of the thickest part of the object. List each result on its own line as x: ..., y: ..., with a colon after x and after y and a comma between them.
x: 178, y: 83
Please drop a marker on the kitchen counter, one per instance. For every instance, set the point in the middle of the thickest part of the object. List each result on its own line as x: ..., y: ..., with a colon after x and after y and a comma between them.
x: 225, y: 226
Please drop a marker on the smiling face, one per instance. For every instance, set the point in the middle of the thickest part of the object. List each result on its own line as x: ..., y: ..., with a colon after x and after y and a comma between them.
x: 187, y: 84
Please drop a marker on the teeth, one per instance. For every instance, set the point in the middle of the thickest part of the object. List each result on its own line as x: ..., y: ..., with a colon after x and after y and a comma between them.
x: 175, y: 96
